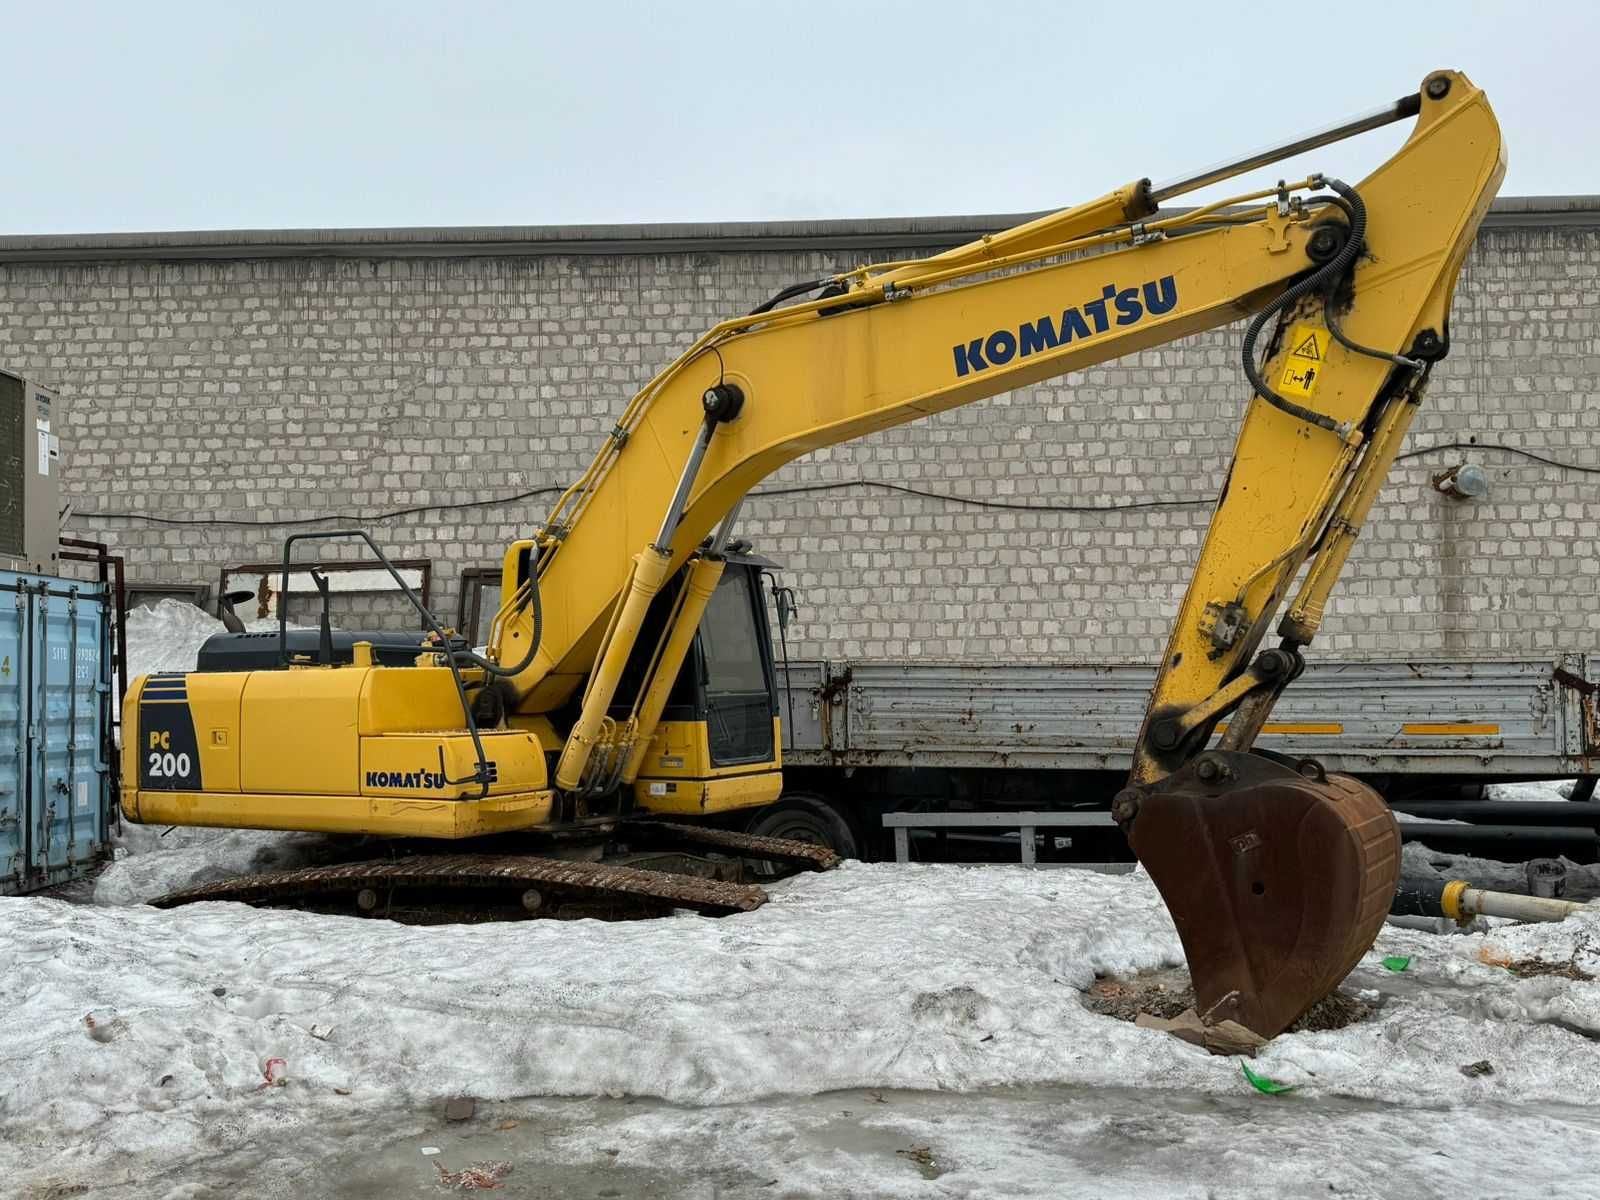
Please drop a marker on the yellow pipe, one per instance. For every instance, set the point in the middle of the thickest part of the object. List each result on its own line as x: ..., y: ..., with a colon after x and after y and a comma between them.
x: 699, y: 582
x: 1450, y: 899
x: 649, y: 573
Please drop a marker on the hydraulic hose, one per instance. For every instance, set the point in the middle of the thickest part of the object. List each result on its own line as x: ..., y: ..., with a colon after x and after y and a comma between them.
x: 794, y: 289
x: 497, y: 671
x: 1334, y: 328
x: 1321, y: 280
x: 1399, y: 360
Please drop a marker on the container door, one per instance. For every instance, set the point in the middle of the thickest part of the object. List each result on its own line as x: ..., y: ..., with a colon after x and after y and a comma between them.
x: 13, y: 740
x: 66, y: 777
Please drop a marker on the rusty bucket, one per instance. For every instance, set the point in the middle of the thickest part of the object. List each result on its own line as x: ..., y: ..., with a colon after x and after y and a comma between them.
x: 1277, y: 878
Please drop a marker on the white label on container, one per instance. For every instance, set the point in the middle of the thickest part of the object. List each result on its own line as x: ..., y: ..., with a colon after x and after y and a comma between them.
x: 83, y: 795
x: 658, y: 789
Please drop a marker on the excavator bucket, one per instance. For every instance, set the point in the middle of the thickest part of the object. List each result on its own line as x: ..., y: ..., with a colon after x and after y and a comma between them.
x: 1278, y: 880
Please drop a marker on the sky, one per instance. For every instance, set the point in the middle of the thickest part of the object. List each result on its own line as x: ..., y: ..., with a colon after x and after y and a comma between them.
x: 171, y: 116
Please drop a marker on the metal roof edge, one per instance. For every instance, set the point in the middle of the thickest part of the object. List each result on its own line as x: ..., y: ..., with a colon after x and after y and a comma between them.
x: 1512, y: 212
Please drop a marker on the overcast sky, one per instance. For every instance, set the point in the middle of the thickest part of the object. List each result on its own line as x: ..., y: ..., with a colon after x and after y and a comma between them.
x: 160, y: 115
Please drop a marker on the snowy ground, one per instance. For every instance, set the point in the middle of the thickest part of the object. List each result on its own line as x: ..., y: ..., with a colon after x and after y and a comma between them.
x: 874, y: 1031
x: 726, y: 1053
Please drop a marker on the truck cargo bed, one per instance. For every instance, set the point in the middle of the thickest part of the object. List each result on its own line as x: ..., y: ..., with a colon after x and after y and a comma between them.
x: 1504, y: 718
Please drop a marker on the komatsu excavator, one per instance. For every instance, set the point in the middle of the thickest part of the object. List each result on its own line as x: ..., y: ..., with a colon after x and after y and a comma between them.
x: 628, y: 673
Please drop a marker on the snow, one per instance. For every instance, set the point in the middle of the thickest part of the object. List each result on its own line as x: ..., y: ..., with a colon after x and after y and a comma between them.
x: 936, y: 978
x: 1544, y: 789
x: 161, y: 860
x: 167, y: 636
x: 802, y: 1049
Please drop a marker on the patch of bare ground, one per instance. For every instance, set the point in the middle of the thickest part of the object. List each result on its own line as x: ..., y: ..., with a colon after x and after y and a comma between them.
x: 1529, y: 968
x: 1166, y: 993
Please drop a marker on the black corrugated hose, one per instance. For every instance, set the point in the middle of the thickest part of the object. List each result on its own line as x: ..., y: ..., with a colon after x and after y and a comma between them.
x: 1324, y: 279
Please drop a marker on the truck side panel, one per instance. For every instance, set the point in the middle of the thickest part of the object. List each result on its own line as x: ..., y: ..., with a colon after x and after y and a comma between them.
x: 1522, y: 717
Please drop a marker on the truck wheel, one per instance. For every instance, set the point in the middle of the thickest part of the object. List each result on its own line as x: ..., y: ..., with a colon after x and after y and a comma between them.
x: 806, y: 818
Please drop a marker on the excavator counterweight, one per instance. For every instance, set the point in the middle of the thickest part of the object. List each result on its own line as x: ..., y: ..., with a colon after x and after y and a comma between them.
x: 629, y: 673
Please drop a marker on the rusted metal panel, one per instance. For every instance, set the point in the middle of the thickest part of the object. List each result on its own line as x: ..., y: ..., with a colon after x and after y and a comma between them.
x: 804, y: 708
x: 1579, y: 692
x: 1468, y: 717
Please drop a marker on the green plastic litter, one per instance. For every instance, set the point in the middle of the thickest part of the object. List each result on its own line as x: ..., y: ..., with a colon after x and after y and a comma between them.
x: 1397, y: 962
x: 1268, y: 1087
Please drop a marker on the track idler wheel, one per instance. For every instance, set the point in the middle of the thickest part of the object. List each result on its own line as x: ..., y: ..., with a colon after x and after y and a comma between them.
x: 1278, y: 880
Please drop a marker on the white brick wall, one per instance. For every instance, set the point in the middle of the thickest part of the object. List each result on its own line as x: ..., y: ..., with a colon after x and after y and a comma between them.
x: 277, y: 389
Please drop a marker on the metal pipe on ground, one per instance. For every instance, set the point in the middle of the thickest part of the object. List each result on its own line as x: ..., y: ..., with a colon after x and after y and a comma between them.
x: 1458, y: 900
x: 1504, y: 812
x: 1509, y: 843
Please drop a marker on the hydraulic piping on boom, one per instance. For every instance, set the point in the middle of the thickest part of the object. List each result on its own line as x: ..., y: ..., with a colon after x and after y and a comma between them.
x: 628, y: 670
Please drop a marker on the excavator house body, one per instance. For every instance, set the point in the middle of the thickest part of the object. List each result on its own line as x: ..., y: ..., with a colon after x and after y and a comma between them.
x: 363, y: 748
x: 328, y: 749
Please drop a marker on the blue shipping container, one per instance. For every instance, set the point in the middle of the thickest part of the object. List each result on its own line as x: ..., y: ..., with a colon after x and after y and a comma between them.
x: 55, y: 706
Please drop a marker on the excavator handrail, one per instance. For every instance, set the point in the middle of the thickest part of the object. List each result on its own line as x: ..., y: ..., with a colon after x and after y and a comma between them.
x: 482, y: 775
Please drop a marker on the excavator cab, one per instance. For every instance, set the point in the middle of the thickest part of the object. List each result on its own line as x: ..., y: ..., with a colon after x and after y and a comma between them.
x: 716, y: 747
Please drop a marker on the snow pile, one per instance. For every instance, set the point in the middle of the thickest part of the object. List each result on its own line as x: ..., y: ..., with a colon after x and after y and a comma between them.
x: 153, y: 1028
x: 1543, y: 789
x: 141, y: 1037
x: 167, y: 636
x: 160, y: 860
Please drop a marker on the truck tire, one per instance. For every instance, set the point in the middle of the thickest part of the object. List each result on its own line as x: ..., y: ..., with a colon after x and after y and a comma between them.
x: 807, y: 818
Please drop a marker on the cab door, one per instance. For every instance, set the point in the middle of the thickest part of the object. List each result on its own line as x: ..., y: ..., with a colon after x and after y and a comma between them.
x: 736, y: 671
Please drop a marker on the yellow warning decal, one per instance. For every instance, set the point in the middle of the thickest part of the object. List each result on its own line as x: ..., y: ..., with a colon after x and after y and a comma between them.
x: 1302, y: 371
x: 1306, y: 344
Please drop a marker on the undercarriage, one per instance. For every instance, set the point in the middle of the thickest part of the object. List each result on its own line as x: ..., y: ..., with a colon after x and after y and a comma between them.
x: 635, y: 869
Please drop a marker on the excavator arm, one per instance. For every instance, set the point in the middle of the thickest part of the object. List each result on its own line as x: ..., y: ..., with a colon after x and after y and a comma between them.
x: 885, y: 345
x: 1277, y: 876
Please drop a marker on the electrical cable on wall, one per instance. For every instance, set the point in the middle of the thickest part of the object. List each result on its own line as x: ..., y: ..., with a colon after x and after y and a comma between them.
x: 804, y: 488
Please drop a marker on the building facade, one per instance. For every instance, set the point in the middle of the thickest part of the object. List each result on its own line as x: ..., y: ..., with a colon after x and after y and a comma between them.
x: 219, y: 387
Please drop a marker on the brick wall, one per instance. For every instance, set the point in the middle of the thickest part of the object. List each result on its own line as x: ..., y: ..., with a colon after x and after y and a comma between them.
x: 273, y: 389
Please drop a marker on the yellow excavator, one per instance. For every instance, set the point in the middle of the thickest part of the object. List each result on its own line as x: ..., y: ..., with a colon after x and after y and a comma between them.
x: 626, y: 692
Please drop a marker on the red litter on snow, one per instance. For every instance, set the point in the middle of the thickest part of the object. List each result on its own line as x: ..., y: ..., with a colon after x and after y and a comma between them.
x: 275, y: 1074
x: 481, y: 1176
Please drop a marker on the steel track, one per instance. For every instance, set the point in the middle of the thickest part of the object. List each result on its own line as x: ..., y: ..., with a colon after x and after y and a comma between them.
x: 559, y: 880
x: 746, y: 845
